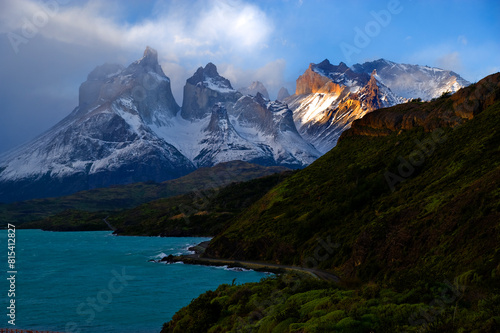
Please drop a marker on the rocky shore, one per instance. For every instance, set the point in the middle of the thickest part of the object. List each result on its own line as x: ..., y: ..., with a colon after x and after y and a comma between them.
x: 198, y: 259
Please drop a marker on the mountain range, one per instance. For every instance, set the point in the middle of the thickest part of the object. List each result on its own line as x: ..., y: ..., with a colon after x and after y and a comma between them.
x: 329, y: 98
x: 129, y: 128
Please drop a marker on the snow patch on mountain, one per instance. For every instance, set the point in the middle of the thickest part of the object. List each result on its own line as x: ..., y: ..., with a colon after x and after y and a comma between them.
x: 217, y: 85
x: 413, y: 81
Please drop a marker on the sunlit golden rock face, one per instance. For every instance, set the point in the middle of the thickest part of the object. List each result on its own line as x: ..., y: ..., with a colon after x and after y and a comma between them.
x: 324, y: 108
x: 310, y: 82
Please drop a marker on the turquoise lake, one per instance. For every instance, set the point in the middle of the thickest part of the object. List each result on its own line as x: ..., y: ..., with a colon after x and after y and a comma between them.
x: 97, y: 282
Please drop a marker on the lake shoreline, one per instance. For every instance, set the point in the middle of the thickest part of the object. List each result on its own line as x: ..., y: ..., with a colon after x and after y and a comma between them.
x: 198, y: 259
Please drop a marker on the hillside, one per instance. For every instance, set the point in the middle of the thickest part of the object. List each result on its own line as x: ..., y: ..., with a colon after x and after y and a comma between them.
x: 293, y: 303
x: 199, y: 213
x: 407, y: 202
x: 432, y: 219
x: 119, y: 197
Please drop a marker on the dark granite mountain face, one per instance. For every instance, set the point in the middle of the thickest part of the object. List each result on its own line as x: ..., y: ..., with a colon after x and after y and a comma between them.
x: 254, y: 130
x: 222, y: 140
x: 203, y: 90
x: 143, y: 81
x: 262, y: 114
x: 253, y: 110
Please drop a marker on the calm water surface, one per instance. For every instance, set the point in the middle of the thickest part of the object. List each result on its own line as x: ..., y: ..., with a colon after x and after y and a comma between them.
x: 97, y: 282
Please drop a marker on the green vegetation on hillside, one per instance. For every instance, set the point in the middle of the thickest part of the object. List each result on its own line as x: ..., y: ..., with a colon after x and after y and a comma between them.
x: 200, y: 213
x: 441, y: 220
x: 408, y: 201
x: 295, y: 304
x: 71, y: 220
x: 119, y: 197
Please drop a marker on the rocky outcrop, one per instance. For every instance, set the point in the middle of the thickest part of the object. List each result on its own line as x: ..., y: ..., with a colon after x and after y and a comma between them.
x: 328, y: 97
x: 222, y: 141
x: 90, y: 90
x: 310, y: 82
x: 219, y: 121
x: 253, y: 111
x: 322, y: 115
x: 151, y: 89
x: 327, y: 78
x: 254, y: 130
x: 371, y: 93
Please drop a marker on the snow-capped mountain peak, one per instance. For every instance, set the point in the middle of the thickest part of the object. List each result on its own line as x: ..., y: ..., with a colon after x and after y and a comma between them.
x: 143, y: 82
x: 413, y: 81
x: 328, y: 97
x: 205, y: 88
x: 209, y: 77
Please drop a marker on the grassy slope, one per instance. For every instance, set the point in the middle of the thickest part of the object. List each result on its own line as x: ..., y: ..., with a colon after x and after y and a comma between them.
x: 396, y: 251
x: 442, y: 221
x: 120, y: 197
x: 293, y: 303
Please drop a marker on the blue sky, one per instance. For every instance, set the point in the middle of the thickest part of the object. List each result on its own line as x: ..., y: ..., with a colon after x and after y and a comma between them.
x: 48, y: 47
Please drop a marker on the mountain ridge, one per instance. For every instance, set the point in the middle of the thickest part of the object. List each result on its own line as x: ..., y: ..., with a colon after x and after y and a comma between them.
x: 128, y: 126
x: 328, y: 98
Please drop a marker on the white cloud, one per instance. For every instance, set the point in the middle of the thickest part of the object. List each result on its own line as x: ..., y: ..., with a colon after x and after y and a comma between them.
x: 233, y: 23
x: 443, y: 56
x: 271, y: 75
x: 186, y: 34
x: 179, y: 29
x: 73, y: 25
